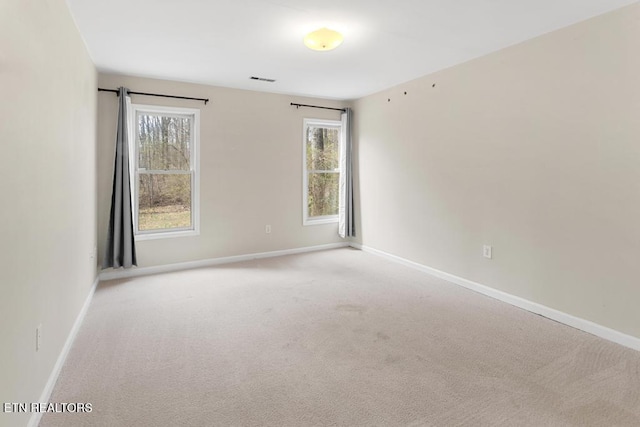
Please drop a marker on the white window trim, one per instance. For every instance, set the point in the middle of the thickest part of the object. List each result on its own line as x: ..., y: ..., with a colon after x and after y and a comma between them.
x: 306, y: 219
x: 133, y: 109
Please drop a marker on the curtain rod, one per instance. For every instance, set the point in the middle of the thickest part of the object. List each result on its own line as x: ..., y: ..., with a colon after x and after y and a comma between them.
x: 316, y: 106
x: 205, y: 100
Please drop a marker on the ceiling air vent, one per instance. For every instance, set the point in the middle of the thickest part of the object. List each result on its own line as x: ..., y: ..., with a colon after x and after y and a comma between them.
x: 262, y: 79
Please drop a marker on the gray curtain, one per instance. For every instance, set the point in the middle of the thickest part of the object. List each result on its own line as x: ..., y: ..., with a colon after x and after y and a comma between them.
x: 346, y: 224
x: 121, y: 248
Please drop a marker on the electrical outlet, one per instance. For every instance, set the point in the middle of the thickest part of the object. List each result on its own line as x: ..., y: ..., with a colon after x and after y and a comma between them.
x: 38, y: 336
x: 487, y: 251
x: 267, y: 229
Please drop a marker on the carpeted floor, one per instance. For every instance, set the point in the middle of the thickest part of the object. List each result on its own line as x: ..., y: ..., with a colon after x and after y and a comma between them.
x: 339, y: 338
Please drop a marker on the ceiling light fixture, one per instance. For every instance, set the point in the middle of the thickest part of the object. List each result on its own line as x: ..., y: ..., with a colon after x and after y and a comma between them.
x: 323, y: 39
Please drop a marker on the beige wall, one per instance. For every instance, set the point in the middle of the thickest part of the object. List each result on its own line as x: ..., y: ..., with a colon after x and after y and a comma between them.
x: 47, y: 220
x: 251, y: 171
x: 535, y: 150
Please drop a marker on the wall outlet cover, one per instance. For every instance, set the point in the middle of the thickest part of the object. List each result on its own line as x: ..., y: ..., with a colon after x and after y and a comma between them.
x: 487, y: 251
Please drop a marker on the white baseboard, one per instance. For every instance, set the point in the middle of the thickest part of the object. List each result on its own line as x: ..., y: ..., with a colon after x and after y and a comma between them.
x: 46, y: 393
x: 144, y: 271
x: 550, y: 313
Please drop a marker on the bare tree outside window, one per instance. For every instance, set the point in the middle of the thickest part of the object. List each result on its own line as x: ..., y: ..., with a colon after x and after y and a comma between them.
x: 322, y: 146
x: 164, y: 171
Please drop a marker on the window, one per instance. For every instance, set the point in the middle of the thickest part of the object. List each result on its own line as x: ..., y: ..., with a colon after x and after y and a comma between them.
x: 164, y: 161
x: 321, y: 164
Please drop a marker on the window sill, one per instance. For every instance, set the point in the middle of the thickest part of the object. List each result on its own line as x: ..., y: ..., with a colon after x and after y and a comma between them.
x: 320, y: 220
x: 166, y: 235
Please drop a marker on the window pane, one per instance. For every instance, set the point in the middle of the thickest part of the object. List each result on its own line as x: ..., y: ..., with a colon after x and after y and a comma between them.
x: 322, y: 148
x: 164, y: 201
x: 323, y: 194
x: 164, y: 142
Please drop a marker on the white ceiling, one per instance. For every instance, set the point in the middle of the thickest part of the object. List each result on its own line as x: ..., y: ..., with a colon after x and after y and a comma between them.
x: 387, y: 42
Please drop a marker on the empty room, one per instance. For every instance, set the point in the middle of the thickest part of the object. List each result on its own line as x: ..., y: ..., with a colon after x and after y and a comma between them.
x: 292, y: 213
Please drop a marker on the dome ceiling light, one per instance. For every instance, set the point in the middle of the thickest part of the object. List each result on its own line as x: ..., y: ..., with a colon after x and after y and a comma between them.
x: 323, y: 39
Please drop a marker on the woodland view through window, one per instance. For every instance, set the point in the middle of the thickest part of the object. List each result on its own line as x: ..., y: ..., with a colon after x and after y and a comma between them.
x: 165, y: 181
x: 321, y: 171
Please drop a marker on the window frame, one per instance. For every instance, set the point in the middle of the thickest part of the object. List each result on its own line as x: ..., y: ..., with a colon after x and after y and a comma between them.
x: 324, y: 219
x: 194, y: 165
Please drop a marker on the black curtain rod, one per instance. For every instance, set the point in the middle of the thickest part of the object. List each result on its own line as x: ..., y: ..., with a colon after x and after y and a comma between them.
x: 316, y: 106
x: 205, y: 100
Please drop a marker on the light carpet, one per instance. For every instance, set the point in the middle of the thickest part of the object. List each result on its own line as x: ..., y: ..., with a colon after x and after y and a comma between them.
x: 340, y: 338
